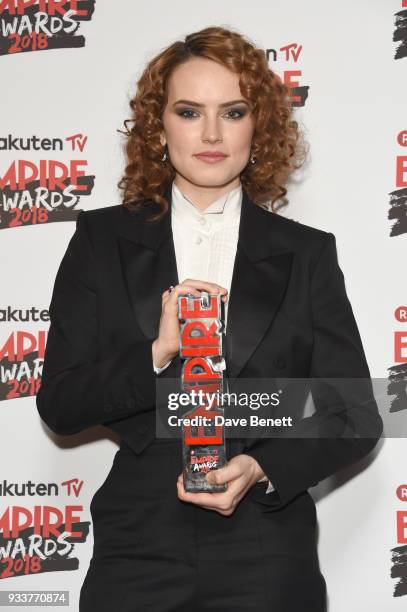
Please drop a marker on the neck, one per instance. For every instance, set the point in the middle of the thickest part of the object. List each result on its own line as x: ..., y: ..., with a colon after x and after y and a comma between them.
x: 203, y: 196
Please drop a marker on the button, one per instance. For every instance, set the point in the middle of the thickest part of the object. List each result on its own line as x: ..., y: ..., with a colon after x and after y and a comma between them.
x: 279, y: 362
x: 198, y: 240
x: 108, y: 408
x: 202, y: 220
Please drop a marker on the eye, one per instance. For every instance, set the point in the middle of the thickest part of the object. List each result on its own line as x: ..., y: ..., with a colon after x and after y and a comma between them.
x: 184, y: 113
x: 238, y: 113
x: 233, y: 113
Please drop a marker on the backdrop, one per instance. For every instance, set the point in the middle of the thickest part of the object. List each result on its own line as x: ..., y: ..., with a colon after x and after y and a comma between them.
x: 67, y: 72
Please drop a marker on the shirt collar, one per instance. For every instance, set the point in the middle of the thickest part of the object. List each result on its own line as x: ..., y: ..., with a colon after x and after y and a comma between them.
x: 225, y: 209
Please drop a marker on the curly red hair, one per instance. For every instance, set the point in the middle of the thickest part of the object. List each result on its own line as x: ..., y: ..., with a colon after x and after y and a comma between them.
x: 277, y: 142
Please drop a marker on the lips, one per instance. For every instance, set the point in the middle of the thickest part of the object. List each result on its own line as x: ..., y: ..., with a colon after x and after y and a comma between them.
x: 210, y: 154
x: 210, y: 157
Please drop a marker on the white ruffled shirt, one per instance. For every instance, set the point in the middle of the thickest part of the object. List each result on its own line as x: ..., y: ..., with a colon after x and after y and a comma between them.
x: 205, y: 243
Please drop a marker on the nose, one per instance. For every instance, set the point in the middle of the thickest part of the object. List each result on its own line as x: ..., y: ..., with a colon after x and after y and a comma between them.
x: 211, y: 131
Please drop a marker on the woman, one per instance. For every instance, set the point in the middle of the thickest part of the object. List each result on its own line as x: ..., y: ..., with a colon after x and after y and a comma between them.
x: 212, y: 142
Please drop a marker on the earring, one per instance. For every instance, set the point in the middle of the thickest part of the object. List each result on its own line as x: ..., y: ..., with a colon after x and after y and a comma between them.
x: 252, y: 159
x: 164, y: 157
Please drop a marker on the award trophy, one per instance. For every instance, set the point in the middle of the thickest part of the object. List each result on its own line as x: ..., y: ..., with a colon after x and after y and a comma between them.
x: 201, y: 348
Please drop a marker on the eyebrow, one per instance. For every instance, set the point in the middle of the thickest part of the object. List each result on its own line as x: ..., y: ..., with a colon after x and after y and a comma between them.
x: 192, y: 103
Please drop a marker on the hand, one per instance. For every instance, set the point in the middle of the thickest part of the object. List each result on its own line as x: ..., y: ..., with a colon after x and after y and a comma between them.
x: 166, y: 345
x: 241, y: 473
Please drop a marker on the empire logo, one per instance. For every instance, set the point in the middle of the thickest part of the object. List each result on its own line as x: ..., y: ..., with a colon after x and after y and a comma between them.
x: 398, y: 197
x: 399, y: 552
x: 400, y: 31
x: 40, y: 538
x: 40, y: 25
x: 21, y: 362
x: 44, y: 190
x: 398, y: 371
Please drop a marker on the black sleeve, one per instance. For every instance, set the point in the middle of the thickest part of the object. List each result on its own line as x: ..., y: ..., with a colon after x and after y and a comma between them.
x: 293, y: 464
x: 78, y: 389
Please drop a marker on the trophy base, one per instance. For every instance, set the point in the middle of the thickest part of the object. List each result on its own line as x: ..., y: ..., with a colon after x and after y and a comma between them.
x: 198, y: 461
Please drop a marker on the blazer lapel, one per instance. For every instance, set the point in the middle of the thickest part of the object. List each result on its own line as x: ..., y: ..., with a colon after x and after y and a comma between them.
x: 149, y: 265
x: 260, y: 275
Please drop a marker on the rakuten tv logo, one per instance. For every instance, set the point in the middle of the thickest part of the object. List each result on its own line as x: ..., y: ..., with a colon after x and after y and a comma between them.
x: 39, y: 25
x: 291, y: 76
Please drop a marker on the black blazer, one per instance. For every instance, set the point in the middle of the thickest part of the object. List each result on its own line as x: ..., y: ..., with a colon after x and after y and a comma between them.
x: 289, y: 317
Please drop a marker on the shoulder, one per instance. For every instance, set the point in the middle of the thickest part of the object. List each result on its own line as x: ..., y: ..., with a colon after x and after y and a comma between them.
x: 101, y: 223
x: 295, y: 236
x: 101, y: 216
x: 296, y: 228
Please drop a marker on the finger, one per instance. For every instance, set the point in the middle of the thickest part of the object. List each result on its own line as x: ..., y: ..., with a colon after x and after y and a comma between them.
x: 208, y: 500
x: 182, y: 290
x: 189, y: 289
x: 205, y: 285
x: 179, y: 290
x: 230, y: 472
x: 202, y: 499
x: 202, y: 503
x: 224, y: 501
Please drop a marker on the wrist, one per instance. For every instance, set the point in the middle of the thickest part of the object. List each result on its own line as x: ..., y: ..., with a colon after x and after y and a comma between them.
x: 159, y: 356
x: 258, y: 471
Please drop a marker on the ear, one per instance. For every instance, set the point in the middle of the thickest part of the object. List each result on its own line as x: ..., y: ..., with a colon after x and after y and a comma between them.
x: 163, y: 139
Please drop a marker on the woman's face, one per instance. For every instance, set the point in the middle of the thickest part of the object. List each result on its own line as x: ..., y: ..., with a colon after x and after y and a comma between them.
x: 206, y: 112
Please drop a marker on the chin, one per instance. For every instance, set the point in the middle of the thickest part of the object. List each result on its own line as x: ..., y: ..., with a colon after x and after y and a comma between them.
x: 205, y: 182
x: 211, y: 178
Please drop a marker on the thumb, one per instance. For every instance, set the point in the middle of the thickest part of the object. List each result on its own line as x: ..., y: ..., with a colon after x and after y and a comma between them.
x: 216, y: 476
